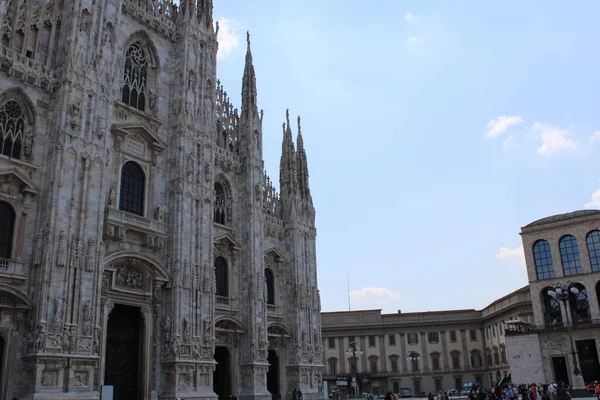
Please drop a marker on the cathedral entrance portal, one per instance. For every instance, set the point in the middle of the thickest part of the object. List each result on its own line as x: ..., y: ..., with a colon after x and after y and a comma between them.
x: 222, y: 374
x: 273, y: 374
x: 123, y: 344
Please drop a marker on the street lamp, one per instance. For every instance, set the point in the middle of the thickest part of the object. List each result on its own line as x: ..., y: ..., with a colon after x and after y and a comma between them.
x: 414, y: 359
x: 561, y: 292
x: 352, y: 352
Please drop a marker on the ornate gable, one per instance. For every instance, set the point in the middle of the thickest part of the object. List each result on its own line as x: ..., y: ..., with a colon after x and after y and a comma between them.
x: 14, y: 183
x: 137, y: 139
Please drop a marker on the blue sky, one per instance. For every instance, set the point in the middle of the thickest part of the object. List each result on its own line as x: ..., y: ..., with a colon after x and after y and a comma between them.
x: 434, y: 131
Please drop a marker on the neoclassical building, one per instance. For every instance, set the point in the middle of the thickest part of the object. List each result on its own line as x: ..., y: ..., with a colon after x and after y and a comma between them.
x: 560, y: 251
x: 421, y: 352
x: 142, y: 245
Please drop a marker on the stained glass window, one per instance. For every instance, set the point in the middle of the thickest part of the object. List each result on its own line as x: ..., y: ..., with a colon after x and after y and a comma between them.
x: 133, y: 184
x: 221, y: 277
x: 7, y: 223
x: 12, y: 127
x: 134, y: 80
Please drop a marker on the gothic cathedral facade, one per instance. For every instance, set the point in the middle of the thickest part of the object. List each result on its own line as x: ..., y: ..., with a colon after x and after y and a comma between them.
x: 142, y: 245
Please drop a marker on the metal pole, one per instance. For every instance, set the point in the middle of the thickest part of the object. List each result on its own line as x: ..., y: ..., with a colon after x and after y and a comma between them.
x: 567, y: 304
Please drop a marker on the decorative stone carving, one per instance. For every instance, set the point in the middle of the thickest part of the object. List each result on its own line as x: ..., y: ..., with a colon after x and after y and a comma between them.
x: 61, y: 255
x: 57, y: 316
x: 88, y: 315
x: 81, y: 378
x: 49, y: 378
x: 130, y: 277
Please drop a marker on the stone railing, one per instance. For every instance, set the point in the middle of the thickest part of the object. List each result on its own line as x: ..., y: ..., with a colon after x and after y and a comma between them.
x: 28, y: 70
x: 158, y: 15
x: 135, y: 221
x: 12, y: 270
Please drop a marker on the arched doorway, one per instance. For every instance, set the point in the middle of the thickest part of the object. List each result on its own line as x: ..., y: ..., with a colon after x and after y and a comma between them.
x: 273, y: 374
x: 123, y: 352
x: 222, y: 374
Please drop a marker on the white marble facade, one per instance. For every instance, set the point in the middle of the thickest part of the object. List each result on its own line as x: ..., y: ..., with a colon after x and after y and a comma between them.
x: 135, y: 209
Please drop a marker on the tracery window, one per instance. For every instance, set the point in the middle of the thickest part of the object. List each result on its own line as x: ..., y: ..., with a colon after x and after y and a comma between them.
x: 543, y: 260
x: 569, y: 255
x: 221, y: 277
x: 593, y: 245
x: 135, y: 77
x: 270, y: 280
x: 12, y: 125
x: 133, y: 184
x: 7, y: 223
x: 219, y: 204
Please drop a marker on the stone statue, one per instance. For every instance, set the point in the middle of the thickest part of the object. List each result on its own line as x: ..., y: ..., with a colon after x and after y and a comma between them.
x: 166, y: 325
x: 112, y: 196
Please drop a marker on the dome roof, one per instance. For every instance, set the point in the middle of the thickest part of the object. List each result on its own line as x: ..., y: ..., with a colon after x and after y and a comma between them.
x: 563, y: 217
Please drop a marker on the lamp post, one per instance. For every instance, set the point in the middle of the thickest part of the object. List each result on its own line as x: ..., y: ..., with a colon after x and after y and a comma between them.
x: 352, y: 352
x: 562, y: 292
x: 414, y: 358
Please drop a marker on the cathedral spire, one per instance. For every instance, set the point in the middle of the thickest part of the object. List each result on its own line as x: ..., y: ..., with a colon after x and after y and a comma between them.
x: 302, y: 164
x: 287, y: 165
x: 249, y: 92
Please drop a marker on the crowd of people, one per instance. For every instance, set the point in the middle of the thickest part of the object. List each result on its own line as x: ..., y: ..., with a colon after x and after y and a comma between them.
x: 553, y: 391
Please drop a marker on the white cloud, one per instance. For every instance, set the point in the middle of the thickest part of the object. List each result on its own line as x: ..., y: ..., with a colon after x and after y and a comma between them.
x: 412, y: 41
x: 229, y: 39
x: 553, y: 139
x: 595, y: 203
x: 595, y: 136
x: 374, y: 298
x: 409, y: 18
x: 508, y: 143
x: 499, y: 125
x: 511, y: 258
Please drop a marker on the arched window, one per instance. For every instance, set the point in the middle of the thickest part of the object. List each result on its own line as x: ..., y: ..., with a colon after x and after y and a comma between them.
x: 552, y: 312
x: 543, y: 260
x: 569, y: 255
x: 580, y: 305
x: 270, y: 278
x: 135, y: 77
x: 7, y: 223
x: 221, y: 277
x: 219, y: 204
x: 133, y: 184
x: 593, y: 245
x: 12, y: 128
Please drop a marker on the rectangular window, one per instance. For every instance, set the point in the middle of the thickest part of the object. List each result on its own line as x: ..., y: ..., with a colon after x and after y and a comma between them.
x: 392, y: 339
x: 435, y: 362
x: 412, y: 338
x: 394, y: 365
x: 433, y: 337
x: 489, y: 359
x: 478, y: 379
x: 487, y: 333
x: 493, y: 330
x: 453, y: 336
x: 333, y: 368
x: 476, y: 360
x: 501, y: 329
x: 415, y: 365
x: 371, y: 341
x: 473, y: 335
x: 396, y: 386
x: 456, y: 362
x: 417, y: 386
x: 496, y: 358
x: 438, y: 384
x: 458, y: 383
x: 503, y: 354
x: 331, y: 342
x: 374, y: 367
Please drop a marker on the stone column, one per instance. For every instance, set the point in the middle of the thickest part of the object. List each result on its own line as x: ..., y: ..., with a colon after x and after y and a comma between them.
x: 465, y: 350
x: 403, y: 354
x: 445, y: 364
x: 342, y: 355
x: 424, y: 358
x: 382, y: 353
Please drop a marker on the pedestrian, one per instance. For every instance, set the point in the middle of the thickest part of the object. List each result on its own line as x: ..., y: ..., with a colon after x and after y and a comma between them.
x: 597, y: 389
